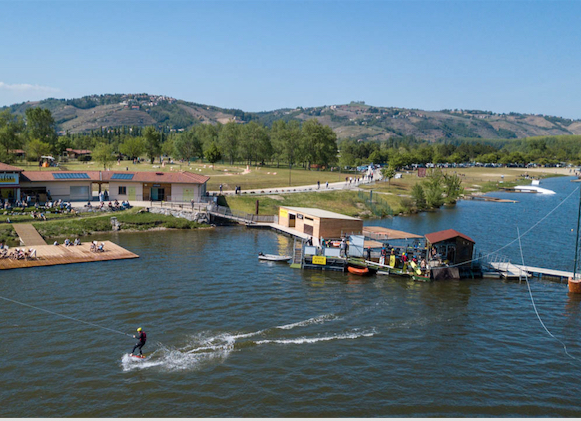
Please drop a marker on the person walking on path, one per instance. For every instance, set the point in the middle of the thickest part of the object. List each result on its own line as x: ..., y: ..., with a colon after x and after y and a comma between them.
x: 141, y: 337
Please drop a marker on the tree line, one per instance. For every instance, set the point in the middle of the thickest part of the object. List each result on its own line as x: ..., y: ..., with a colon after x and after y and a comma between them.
x: 291, y: 142
x: 542, y: 150
x: 308, y: 143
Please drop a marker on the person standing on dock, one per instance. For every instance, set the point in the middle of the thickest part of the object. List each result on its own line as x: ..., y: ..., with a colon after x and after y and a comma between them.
x: 141, y: 337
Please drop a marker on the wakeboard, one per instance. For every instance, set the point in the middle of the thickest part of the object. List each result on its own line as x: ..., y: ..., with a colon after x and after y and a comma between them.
x: 140, y: 357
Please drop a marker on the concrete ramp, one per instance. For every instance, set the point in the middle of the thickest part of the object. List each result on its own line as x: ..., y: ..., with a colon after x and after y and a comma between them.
x: 29, y: 236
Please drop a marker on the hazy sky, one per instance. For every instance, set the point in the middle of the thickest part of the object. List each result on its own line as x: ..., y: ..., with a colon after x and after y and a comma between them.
x: 522, y: 56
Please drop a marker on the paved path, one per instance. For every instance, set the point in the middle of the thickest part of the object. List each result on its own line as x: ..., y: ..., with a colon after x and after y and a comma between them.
x: 340, y: 185
x: 29, y: 236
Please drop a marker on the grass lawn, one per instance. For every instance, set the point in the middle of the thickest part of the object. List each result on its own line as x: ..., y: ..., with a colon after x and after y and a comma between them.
x: 344, y: 202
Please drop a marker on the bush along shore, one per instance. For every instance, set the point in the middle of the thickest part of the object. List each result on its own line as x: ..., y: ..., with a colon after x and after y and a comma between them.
x: 80, y: 225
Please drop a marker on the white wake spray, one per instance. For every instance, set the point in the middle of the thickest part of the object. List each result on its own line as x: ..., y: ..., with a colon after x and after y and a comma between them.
x: 208, y: 348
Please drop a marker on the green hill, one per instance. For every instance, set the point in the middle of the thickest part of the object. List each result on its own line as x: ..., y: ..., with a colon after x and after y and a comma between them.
x: 355, y: 120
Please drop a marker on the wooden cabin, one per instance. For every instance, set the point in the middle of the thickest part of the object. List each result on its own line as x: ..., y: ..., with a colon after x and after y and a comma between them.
x: 452, y: 246
x: 319, y: 223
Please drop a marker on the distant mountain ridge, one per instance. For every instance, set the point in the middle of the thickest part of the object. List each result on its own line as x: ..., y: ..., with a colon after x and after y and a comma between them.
x: 355, y: 120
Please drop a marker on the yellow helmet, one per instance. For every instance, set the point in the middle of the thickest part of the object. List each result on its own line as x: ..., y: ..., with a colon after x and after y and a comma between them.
x: 139, y: 329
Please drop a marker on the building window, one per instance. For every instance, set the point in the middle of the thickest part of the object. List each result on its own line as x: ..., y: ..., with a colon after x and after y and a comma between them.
x: 122, y: 190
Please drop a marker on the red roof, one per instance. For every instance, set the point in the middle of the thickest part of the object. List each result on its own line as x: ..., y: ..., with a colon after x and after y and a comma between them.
x: 48, y: 175
x: 436, y: 237
x: 184, y: 177
x: 79, y: 151
x: 179, y: 177
x: 6, y: 167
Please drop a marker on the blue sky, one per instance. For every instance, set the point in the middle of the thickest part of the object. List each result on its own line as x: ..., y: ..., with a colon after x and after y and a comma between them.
x: 522, y: 56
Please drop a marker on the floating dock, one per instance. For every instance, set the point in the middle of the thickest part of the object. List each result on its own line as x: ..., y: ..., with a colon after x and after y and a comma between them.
x: 61, y: 255
x: 512, y: 271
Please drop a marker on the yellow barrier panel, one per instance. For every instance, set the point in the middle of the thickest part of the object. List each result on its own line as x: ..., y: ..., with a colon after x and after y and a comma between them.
x: 319, y: 260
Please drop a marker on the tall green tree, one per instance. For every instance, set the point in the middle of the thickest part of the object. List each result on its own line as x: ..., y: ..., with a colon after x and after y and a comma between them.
x: 229, y: 139
x: 255, y: 143
x: 389, y: 173
x: 213, y: 153
x: 40, y: 125
x: 103, y: 153
x: 35, y: 149
x: 152, y: 143
x: 133, y: 147
x: 419, y: 196
x: 11, y: 128
x: 189, y: 145
x: 319, y: 144
x: 452, y: 187
x: 286, y: 140
x: 434, y: 189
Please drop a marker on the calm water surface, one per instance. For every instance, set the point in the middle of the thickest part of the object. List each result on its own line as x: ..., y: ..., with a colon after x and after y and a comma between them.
x: 231, y: 336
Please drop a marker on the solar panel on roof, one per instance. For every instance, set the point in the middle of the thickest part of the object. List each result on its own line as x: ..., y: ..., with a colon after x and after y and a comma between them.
x: 68, y: 176
x: 125, y: 176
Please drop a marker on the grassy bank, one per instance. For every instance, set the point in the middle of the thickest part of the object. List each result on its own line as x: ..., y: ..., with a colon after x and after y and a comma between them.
x: 396, y: 193
x: 350, y: 203
x: 130, y: 220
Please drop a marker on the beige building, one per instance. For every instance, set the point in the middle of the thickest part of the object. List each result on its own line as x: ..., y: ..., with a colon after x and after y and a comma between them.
x: 319, y: 223
x: 174, y: 186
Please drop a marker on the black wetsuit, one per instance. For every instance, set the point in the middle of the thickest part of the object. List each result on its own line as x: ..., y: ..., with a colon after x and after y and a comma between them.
x: 142, y: 338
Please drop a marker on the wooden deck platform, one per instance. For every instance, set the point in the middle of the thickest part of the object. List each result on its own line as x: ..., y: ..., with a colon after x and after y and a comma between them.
x: 510, y: 270
x: 61, y: 255
x: 29, y: 236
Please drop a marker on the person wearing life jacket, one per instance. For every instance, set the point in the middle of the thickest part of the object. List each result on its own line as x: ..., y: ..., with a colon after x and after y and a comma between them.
x: 141, y: 337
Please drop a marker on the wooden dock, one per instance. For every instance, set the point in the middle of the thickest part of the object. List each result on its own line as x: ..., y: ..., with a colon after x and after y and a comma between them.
x: 29, y: 236
x: 512, y: 271
x: 49, y: 255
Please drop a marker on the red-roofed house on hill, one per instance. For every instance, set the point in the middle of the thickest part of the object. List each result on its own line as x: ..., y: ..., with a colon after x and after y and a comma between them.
x: 451, y: 245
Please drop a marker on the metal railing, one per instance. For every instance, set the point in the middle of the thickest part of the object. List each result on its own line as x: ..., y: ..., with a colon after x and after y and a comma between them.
x: 226, y: 212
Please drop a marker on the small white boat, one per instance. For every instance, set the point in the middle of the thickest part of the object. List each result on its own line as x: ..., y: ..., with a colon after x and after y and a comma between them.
x: 533, y: 189
x: 273, y: 257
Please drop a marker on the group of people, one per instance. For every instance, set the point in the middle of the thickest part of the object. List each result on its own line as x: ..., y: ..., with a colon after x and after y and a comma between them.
x: 17, y: 253
x: 69, y: 243
x: 112, y: 206
x: 96, y: 247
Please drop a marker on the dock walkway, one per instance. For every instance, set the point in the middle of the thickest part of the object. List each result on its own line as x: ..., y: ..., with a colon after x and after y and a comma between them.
x: 510, y: 270
x: 49, y: 255
x: 29, y: 236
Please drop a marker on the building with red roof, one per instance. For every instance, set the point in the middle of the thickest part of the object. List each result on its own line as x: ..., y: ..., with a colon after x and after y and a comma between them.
x: 451, y: 246
x: 173, y: 186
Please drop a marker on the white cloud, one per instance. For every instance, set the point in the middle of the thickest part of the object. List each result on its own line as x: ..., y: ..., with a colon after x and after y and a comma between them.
x: 26, y: 87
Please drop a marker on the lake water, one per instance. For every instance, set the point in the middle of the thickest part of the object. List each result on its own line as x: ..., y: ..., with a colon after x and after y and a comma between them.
x: 231, y: 336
